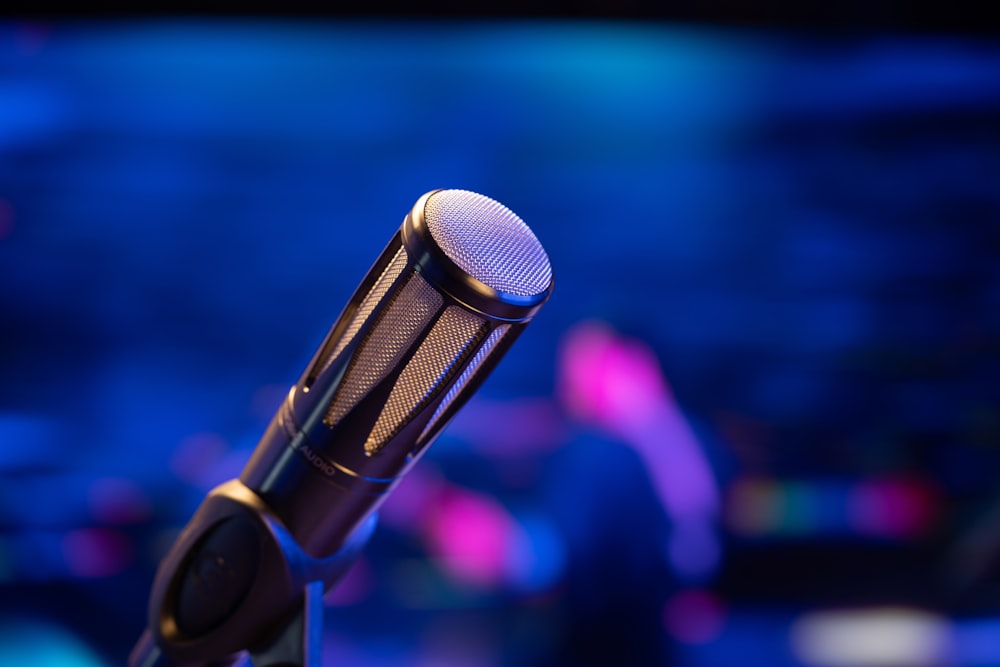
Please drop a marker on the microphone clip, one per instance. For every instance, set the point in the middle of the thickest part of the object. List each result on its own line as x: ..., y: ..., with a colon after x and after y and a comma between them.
x: 236, y: 580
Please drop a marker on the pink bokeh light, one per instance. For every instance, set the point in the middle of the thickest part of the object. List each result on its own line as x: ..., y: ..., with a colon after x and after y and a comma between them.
x: 470, y: 536
x: 894, y: 507
x: 610, y: 381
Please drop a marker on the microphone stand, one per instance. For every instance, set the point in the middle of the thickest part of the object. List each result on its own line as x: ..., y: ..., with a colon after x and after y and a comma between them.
x: 236, y: 580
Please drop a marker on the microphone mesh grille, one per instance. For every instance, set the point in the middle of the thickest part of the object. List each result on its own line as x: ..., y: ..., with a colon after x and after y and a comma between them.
x: 454, y: 332
x: 488, y: 241
x: 370, y: 301
x: 459, y: 385
x: 412, y: 308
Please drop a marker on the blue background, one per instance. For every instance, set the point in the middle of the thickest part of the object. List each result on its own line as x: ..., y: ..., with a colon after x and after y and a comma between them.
x: 802, y: 228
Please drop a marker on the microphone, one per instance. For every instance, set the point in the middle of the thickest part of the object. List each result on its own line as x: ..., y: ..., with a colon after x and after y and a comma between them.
x: 454, y: 288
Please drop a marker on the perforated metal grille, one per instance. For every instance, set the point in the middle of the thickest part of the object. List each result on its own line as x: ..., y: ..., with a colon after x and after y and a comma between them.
x: 454, y: 332
x: 370, y: 301
x: 403, y: 320
x: 459, y: 385
x: 488, y: 241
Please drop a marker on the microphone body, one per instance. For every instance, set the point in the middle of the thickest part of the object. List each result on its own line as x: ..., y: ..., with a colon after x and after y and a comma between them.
x: 453, y: 289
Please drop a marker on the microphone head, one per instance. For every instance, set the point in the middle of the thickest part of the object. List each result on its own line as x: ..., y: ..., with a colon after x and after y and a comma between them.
x: 487, y: 241
x: 480, y: 252
x: 451, y: 292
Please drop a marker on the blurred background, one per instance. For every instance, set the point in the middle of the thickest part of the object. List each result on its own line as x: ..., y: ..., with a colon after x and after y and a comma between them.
x: 758, y: 422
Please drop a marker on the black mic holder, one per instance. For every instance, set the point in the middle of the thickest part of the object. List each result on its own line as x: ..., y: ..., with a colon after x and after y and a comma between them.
x: 236, y: 580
